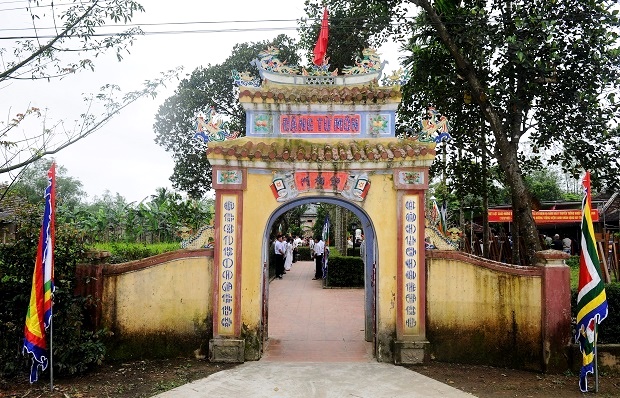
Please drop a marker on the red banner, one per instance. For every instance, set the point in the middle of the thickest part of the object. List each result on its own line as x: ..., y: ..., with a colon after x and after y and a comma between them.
x: 327, y: 180
x: 320, y: 124
x: 543, y: 216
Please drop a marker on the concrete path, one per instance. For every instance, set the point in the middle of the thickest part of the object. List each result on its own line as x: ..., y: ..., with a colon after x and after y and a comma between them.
x: 326, y: 380
x: 316, y: 348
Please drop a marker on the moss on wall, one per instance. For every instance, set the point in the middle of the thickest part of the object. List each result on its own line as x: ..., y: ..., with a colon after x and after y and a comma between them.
x: 385, y: 346
x: 253, y: 343
x: 152, y: 346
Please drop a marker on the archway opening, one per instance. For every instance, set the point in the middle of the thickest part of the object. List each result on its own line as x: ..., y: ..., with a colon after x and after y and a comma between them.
x: 302, y: 318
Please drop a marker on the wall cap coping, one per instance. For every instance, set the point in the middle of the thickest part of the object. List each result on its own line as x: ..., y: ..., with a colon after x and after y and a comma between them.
x: 552, y: 258
x: 131, y: 266
x: 484, y: 263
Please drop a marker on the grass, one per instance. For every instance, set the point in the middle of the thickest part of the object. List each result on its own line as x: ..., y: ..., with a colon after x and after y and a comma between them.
x: 573, y: 263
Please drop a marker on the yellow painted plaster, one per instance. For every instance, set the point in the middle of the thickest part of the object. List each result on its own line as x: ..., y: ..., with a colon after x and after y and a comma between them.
x: 258, y: 205
x: 168, y: 296
x: 465, y: 295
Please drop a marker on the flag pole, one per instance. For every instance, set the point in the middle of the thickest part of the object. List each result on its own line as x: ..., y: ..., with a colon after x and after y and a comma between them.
x: 51, y: 350
x: 595, y: 357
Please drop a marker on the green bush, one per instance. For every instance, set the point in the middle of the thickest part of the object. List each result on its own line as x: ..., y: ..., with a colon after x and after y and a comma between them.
x: 609, y: 330
x: 304, y: 253
x: 76, y: 346
x: 353, y: 252
x: 573, y: 263
x: 345, y: 272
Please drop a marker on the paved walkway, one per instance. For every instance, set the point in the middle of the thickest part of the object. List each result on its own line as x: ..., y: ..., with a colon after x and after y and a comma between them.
x: 311, y: 324
x: 316, y: 348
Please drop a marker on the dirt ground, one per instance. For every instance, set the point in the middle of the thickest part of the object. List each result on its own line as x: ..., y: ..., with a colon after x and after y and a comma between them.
x: 148, y: 378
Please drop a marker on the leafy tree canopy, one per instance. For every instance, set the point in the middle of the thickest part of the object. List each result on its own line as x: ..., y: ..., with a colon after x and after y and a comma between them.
x: 206, y: 88
x: 542, y: 70
x: 32, y: 182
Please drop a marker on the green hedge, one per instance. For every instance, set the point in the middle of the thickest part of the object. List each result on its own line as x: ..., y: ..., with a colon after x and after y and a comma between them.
x: 609, y: 330
x: 345, y: 272
x: 303, y: 253
x: 354, y: 252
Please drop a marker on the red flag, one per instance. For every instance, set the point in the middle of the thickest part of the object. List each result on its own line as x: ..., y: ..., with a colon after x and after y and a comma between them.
x: 321, y: 44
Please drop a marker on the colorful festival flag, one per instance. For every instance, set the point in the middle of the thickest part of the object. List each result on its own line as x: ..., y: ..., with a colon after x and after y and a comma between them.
x: 438, y: 216
x: 39, y: 315
x: 325, y: 237
x: 591, y: 299
x: 320, y: 47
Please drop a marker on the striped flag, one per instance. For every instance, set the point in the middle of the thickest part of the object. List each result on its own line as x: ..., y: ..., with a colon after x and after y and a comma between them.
x: 438, y: 216
x: 325, y: 237
x: 39, y: 315
x: 591, y: 299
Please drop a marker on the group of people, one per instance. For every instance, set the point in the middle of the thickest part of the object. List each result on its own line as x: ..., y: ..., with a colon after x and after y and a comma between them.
x: 285, y: 249
x: 556, y: 243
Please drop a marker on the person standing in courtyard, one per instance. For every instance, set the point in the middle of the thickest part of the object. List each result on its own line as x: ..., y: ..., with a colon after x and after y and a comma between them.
x: 556, y: 243
x: 319, y: 250
x: 296, y: 243
x: 363, y: 249
x: 567, y: 245
x: 279, y: 249
x: 288, y: 256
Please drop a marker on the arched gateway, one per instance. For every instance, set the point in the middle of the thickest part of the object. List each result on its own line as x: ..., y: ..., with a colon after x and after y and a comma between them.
x: 310, y: 138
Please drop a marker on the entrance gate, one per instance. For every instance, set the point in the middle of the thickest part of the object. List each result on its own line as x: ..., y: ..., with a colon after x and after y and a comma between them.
x: 331, y: 139
x: 369, y: 255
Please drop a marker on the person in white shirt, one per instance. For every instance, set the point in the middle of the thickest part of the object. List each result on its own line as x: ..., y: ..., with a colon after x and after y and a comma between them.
x: 319, y: 250
x: 296, y: 243
x: 280, y: 250
x: 288, y: 256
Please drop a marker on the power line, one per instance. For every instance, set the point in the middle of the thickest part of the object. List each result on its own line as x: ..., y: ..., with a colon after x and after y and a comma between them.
x: 258, y: 21
x: 166, y: 32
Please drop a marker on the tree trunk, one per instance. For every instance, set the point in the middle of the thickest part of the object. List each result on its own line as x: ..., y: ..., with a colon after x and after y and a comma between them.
x: 506, y: 152
x: 486, y: 238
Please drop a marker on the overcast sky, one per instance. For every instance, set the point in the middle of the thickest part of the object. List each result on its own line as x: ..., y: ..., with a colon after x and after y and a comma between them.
x: 122, y: 157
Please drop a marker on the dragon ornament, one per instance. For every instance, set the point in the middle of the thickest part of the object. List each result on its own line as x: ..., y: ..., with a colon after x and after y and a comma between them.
x: 370, y: 62
x: 268, y: 60
x: 434, y: 127
x: 213, y: 128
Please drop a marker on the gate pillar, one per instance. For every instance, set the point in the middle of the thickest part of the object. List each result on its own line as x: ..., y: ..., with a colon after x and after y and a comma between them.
x: 411, y: 345
x: 227, y: 344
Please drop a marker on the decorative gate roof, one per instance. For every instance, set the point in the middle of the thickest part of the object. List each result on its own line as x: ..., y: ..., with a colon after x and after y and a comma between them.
x: 374, y: 153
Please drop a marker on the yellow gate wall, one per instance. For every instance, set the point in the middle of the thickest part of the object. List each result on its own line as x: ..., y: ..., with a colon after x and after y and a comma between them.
x: 161, y: 304
x: 480, y: 311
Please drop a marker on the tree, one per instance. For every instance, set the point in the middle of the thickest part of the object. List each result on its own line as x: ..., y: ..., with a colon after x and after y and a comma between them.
x: 77, y: 39
x: 207, y: 88
x: 538, y: 66
x: 32, y: 182
x: 505, y: 70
